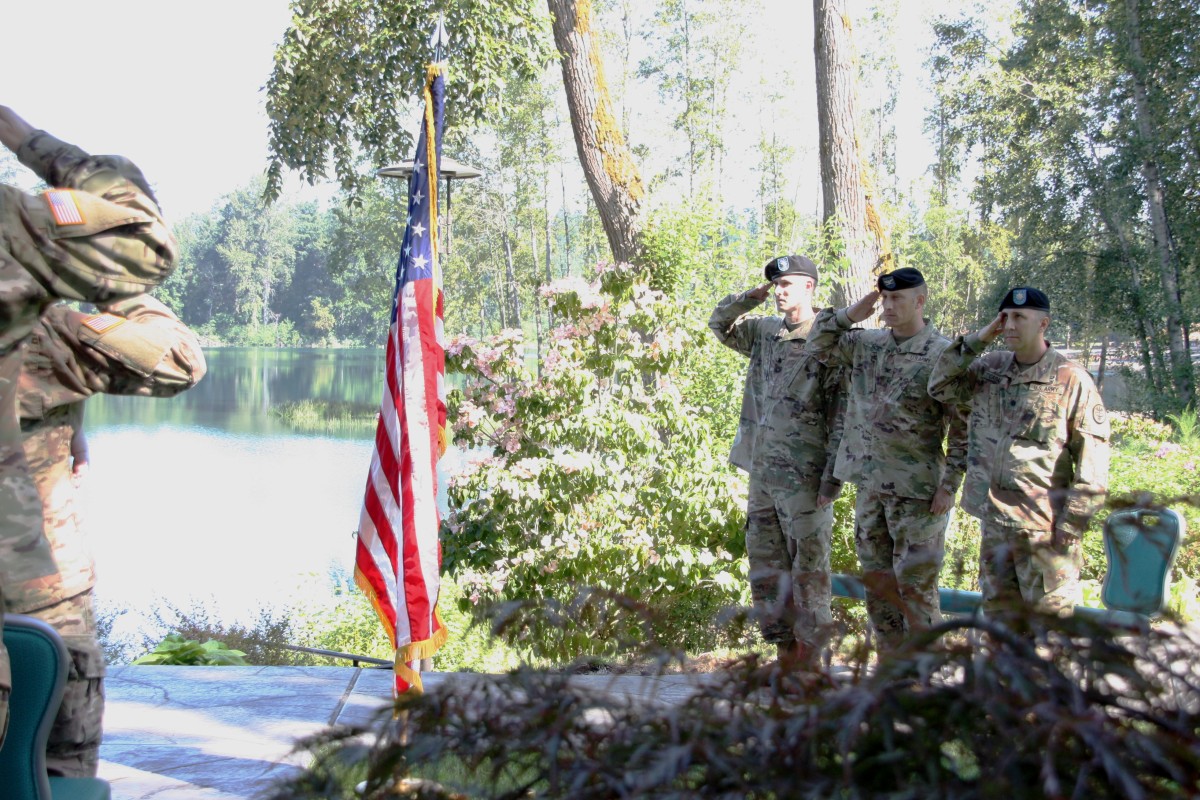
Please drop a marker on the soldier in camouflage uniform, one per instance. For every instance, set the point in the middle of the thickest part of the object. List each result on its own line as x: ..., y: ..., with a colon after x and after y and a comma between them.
x: 135, y: 347
x: 96, y: 235
x: 905, y: 451
x: 787, y: 436
x: 1037, y: 454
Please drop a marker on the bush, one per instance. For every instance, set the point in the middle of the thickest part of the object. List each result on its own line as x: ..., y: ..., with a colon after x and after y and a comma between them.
x: 1020, y: 705
x: 175, y: 650
x: 600, y: 472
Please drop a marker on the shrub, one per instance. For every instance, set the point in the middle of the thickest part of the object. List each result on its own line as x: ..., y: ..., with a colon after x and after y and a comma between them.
x: 600, y: 472
x: 175, y: 650
x: 1019, y: 705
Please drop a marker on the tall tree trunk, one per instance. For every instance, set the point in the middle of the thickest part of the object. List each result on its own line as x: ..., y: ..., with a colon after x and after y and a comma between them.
x: 848, y: 209
x: 1181, y: 358
x: 612, y: 176
x: 510, y: 280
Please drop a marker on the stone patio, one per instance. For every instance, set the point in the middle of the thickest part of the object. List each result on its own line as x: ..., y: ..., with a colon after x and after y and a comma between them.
x: 226, y: 733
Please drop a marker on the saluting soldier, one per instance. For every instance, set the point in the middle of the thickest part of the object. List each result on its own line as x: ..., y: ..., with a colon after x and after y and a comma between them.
x: 1037, y: 453
x: 905, y: 451
x: 132, y: 347
x: 786, y: 439
x: 97, y: 235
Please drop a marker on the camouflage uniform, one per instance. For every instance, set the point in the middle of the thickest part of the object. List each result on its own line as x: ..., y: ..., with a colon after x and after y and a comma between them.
x: 788, y: 433
x: 892, y: 450
x: 1037, y: 462
x: 137, y: 348
x: 101, y: 239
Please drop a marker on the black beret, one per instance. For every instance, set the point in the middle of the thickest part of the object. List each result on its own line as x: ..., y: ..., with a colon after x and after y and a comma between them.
x: 1025, y: 297
x: 903, y: 278
x: 790, y: 265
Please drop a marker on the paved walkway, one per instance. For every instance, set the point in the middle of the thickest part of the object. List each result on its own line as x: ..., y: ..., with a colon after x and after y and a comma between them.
x: 226, y: 733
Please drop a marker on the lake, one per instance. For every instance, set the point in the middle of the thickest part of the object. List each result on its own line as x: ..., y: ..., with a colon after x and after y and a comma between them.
x: 208, y: 497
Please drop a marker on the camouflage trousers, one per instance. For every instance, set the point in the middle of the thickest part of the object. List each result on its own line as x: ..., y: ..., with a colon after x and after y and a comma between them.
x: 1019, y: 565
x: 787, y: 545
x: 900, y: 547
x: 73, y: 750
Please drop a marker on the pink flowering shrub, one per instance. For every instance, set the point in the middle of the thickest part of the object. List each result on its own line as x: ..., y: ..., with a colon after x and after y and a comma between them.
x: 599, y: 472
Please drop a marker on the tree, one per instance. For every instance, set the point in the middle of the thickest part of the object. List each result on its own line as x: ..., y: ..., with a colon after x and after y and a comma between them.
x: 345, y: 73
x: 850, y: 214
x: 1068, y: 123
x: 612, y: 175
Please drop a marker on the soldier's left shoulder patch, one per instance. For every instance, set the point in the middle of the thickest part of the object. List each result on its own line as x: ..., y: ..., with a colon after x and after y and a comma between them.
x: 64, y: 207
x: 102, y: 323
x: 1094, y: 419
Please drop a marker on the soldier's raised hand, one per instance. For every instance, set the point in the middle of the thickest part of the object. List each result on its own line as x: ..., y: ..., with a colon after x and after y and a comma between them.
x: 993, y: 329
x: 759, y: 293
x: 13, y: 129
x: 864, y: 308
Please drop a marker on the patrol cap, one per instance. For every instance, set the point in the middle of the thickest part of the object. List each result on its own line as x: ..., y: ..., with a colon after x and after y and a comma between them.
x: 1026, y: 297
x: 790, y: 265
x: 903, y: 278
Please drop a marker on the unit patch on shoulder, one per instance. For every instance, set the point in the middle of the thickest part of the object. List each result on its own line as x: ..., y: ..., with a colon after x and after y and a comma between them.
x: 64, y: 207
x: 1098, y: 414
x: 102, y: 323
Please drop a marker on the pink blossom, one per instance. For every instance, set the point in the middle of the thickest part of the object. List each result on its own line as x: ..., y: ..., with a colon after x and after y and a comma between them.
x: 460, y: 342
x: 512, y: 442
x: 1166, y: 448
x: 1190, y: 466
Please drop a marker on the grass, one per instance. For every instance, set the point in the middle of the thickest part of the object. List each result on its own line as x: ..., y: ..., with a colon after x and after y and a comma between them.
x: 324, y: 416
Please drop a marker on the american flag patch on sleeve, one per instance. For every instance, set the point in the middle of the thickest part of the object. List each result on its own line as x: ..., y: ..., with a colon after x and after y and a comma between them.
x: 64, y: 207
x: 103, y: 322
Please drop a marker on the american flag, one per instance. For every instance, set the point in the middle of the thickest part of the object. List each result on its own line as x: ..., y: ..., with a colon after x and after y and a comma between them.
x: 398, y: 559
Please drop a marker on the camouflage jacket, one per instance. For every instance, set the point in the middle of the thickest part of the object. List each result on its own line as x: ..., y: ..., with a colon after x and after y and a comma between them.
x: 792, y: 404
x: 102, y: 238
x: 137, y: 347
x: 896, y: 439
x: 1037, y: 452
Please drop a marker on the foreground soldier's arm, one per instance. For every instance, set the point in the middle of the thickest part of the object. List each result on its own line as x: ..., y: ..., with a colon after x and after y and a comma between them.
x: 136, y: 347
x: 729, y: 321
x: 832, y: 339
x: 955, y: 374
x: 96, y: 235
x: 1087, y: 442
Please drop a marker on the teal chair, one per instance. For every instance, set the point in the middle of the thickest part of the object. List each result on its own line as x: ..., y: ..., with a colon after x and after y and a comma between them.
x: 1141, y: 545
x: 39, y: 674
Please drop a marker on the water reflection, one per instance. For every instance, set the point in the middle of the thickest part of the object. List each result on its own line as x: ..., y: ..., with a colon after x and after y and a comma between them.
x: 244, y: 382
x: 208, y: 496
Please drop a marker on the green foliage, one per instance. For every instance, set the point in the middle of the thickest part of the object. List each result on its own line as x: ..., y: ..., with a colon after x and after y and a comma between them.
x: 1148, y: 467
x: 345, y: 72
x: 175, y: 650
x: 600, y: 472
x: 1016, y: 705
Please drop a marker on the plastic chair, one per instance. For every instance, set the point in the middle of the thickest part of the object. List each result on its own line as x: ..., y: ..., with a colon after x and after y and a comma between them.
x: 1141, y: 545
x: 39, y: 674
